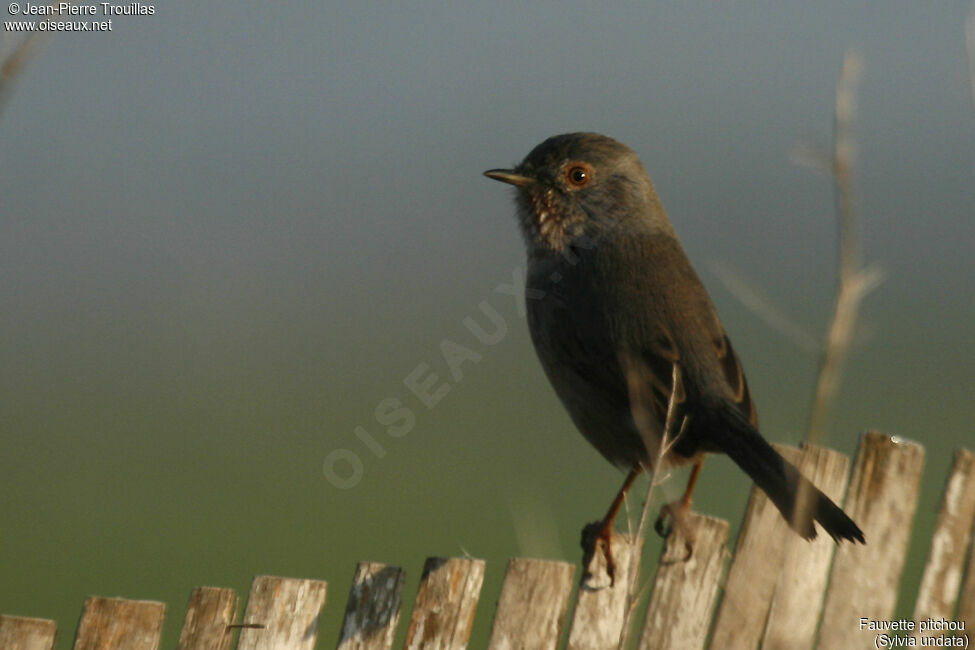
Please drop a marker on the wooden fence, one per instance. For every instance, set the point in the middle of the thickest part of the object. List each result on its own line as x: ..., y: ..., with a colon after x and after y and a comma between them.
x: 778, y: 592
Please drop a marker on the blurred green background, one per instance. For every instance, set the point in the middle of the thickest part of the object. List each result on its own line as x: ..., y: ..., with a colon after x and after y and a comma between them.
x: 229, y: 231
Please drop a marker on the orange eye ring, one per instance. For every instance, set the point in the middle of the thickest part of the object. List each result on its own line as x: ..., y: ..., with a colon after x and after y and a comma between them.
x: 578, y: 174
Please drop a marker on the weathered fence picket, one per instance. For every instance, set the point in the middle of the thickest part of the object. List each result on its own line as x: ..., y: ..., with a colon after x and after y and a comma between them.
x: 685, y: 589
x: 881, y: 499
x: 282, y: 613
x: 801, y: 586
x: 108, y: 623
x: 532, y: 606
x: 26, y: 633
x: 598, y: 618
x: 952, y: 534
x: 373, y: 608
x: 209, y: 615
x: 966, y: 602
x: 445, y: 604
x: 779, y: 591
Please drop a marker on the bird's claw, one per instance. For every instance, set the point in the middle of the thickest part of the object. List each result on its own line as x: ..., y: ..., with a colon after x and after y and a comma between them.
x: 673, y: 519
x: 671, y: 516
x: 663, y: 525
x: 598, y: 536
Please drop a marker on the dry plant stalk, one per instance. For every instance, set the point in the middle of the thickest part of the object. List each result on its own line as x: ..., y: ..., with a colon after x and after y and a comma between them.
x: 854, y: 281
x: 752, y: 297
x: 636, y: 383
x: 13, y: 64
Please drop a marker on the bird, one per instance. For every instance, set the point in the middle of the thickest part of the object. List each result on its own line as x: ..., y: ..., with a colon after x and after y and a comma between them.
x: 626, y: 332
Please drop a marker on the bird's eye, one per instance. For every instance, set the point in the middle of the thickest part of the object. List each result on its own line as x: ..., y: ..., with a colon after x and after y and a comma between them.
x: 578, y: 175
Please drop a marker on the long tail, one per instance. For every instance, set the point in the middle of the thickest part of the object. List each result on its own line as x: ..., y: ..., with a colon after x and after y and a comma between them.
x: 778, y: 478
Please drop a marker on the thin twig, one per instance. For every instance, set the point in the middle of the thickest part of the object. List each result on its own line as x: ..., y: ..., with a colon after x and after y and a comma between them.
x: 759, y: 304
x: 854, y: 282
x: 13, y: 65
x: 636, y: 382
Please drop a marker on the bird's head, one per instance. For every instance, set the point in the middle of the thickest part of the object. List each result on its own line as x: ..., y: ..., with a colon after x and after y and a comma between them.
x: 580, y: 185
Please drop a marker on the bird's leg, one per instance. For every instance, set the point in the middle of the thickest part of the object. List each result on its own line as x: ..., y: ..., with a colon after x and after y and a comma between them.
x: 674, y: 514
x: 602, y: 531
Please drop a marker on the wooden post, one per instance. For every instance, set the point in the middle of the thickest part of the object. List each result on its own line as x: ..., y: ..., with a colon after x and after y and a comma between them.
x: 208, y: 615
x: 754, y: 572
x: 801, y: 585
x: 532, y: 607
x: 288, y: 610
x: 445, y: 604
x: 966, y: 604
x: 598, y: 619
x: 22, y: 633
x: 372, y: 612
x: 684, y: 589
x: 865, y: 578
x: 952, y: 534
x: 116, y: 623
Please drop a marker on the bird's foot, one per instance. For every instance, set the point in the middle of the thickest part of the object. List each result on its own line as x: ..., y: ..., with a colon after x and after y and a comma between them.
x: 673, y: 519
x: 672, y: 515
x: 598, y: 537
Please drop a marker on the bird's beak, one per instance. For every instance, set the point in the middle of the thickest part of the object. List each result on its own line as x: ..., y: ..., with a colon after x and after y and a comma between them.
x: 509, y: 176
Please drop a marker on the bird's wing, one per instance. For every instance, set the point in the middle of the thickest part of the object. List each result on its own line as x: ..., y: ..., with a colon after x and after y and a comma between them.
x: 735, y: 376
x: 650, y: 377
x: 654, y: 372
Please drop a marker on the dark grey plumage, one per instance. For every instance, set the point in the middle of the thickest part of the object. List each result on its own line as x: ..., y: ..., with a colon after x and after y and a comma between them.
x: 614, y: 293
